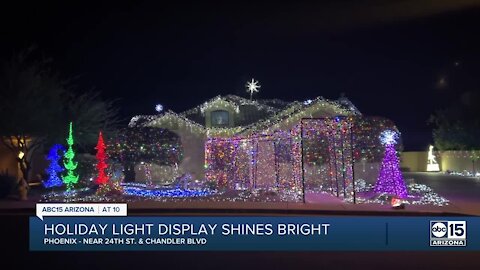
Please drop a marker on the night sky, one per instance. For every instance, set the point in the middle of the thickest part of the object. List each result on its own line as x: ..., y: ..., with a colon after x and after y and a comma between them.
x: 398, y: 59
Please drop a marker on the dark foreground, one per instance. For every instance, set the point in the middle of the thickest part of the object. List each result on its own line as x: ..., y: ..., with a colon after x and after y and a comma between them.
x: 15, y: 245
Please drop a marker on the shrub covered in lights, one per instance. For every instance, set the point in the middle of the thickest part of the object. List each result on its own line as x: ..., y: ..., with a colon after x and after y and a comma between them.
x: 367, y: 131
x: 145, y: 144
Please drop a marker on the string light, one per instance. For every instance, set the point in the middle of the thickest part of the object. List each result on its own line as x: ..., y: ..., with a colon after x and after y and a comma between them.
x: 278, y: 119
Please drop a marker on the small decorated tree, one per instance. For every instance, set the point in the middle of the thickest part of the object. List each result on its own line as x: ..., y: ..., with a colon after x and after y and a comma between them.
x: 54, y: 168
x: 390, y: 179
x: 102, y: 178
x: 71, y: 178
x: 106, y: 187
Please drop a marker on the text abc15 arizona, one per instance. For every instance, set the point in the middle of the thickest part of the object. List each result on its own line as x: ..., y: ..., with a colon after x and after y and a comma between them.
x: 448, y: 233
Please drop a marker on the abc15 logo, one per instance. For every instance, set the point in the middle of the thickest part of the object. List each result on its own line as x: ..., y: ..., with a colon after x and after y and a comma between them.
x: 448, y: 230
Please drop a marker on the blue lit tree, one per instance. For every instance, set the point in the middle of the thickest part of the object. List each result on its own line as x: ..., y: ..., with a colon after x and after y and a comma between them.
x: 54, y: 168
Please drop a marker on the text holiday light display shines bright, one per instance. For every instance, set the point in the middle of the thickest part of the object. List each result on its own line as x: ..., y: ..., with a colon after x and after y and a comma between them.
x: 186, y: 229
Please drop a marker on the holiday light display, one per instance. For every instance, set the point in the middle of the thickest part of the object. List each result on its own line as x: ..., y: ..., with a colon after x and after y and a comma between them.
x: 54, y: 167
x: 101, y: 156
x: 323, y: 149
x: 288, y: 116
x: 71, y: 178
x: 390, y: 179
x: 287, y: 153
x: 286, y: 159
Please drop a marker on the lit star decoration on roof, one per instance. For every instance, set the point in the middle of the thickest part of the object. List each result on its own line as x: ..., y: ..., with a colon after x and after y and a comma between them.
x: 253, y: 87
x: 388, y: 137
x: 159, y: 107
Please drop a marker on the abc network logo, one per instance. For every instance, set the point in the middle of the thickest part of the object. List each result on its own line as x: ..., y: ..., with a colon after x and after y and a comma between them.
x: 448, y: 233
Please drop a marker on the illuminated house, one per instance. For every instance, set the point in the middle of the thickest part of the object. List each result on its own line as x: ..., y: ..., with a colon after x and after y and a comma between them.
x: 241, y: 143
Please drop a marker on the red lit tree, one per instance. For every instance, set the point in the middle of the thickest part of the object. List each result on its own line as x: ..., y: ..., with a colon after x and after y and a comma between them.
x: 102, y: 178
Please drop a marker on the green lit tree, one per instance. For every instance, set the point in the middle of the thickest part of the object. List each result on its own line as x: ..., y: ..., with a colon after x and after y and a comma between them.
x: 71, y: 177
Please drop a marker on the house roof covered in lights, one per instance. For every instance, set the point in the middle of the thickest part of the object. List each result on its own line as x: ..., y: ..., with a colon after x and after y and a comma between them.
x: 233, y: 115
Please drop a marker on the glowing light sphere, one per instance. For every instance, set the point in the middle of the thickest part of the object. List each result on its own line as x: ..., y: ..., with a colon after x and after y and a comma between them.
x: 388, y: 137
x: 307, y: 102
x: 253, y: 87
x: 159, y: 107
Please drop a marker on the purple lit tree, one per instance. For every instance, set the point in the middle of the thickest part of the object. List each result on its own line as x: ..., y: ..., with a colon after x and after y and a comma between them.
x: 390, y: 178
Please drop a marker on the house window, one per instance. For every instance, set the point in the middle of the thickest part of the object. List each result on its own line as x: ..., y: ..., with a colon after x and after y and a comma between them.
x: 220, y: 118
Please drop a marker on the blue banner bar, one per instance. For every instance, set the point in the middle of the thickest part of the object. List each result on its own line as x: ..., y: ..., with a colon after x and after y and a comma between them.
x: 255, y: 233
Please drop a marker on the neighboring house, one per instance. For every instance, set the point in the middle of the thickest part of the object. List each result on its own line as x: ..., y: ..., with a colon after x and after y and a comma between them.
x: 234, y: 116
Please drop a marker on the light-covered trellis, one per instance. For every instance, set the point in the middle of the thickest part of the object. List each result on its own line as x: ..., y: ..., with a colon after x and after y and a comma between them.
x: 315, y: 155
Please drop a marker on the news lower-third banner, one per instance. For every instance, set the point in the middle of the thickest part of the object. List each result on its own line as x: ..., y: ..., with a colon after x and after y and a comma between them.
x: 254, y: 233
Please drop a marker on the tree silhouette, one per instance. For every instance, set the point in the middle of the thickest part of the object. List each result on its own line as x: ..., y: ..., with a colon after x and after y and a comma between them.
x: 37, y: 104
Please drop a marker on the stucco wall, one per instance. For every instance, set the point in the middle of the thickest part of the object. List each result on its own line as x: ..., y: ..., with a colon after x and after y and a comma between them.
x: 448, y: 160
x: 458, y: 161
x: 414, y: 161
